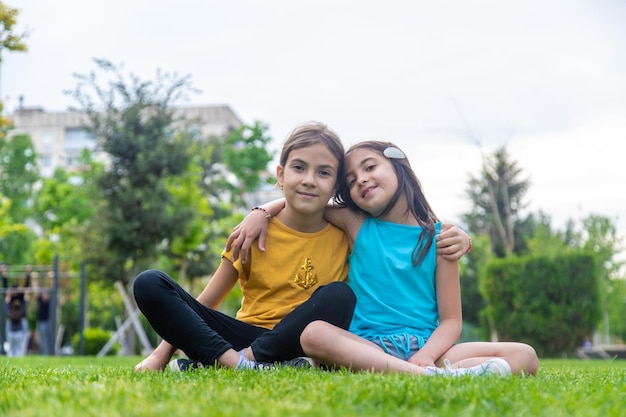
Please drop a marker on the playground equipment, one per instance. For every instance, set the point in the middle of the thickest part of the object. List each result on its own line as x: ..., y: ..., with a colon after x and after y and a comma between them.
x: 19, y: 272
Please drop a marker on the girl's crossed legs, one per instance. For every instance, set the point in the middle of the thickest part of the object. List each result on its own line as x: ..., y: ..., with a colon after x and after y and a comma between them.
x: 205, y: 334
x: 332, y: 346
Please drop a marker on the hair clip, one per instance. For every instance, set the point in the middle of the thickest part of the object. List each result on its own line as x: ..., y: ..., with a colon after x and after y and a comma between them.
x: 394, y: 153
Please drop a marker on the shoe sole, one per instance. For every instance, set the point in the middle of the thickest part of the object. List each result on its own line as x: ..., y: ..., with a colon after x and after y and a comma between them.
x: 175, y: 365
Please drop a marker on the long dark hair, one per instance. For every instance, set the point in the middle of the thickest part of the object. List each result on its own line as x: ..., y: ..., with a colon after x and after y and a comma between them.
x: 409, y: 186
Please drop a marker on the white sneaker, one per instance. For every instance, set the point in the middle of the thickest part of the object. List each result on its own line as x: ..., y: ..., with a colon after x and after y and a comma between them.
x: 494, y: 366
x: 446, y: 370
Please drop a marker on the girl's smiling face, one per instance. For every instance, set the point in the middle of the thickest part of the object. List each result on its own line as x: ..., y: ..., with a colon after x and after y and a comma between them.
x: 371, y: 179
x: 309, y: 178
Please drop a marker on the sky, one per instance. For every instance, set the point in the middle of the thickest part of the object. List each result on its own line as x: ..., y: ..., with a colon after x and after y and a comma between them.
x: 448, y: 81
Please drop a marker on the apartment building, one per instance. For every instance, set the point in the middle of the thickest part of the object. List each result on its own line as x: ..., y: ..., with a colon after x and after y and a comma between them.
x: 59, y: 137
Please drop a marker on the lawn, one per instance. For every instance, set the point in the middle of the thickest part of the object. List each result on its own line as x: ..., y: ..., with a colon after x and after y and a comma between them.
x: 89, y: 386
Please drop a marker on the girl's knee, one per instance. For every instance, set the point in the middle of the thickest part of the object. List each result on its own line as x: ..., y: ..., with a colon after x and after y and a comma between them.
x: 314, y: 336
x: 146, y: 282
x: 143, y: 279
x: 532, y: 360
x: 341, y: 293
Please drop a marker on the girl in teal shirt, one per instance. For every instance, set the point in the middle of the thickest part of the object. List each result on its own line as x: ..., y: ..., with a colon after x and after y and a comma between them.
x: 408, y: 311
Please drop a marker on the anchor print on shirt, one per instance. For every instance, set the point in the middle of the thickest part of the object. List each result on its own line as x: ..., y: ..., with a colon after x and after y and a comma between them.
x: 306, y: 278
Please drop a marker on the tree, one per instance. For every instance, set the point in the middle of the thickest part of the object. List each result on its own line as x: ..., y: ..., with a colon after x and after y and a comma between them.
x: 5, y: 123
x: 616, y: 307
x: 496, y: 224
x: 473, y: 265
x: 220, y: 172
x: 8, y: 38
x: 135, y: 125
x: 13, y: 236
x: 599, y: 236
x: 550, y: 302
x: 541, y: 239
x: 10, y: 41
x: 66, y: 197
x: 246, y: 155
x: 18, y: 174
x: 187, y: 196
x: 64, y: 206
x: 497, y: 201
x: 228, y: 167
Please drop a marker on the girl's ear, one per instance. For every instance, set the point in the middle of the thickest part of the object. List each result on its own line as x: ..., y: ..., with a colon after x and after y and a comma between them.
x: 279, y: 175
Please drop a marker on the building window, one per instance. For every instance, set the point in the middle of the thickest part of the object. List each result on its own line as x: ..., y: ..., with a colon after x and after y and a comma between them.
x: 45, y: 161
x: 47, y: 141
x: 77, y: 139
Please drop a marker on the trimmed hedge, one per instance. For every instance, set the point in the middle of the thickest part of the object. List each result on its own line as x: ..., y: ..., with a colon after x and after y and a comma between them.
x: 95, y: 339
x: 551, y: 303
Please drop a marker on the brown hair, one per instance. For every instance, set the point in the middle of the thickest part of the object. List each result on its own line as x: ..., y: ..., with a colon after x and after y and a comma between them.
x: 314, y: 133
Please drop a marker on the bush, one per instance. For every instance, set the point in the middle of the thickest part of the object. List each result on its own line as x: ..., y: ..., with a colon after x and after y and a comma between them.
x: 551, y: 303
x: 95, y: 339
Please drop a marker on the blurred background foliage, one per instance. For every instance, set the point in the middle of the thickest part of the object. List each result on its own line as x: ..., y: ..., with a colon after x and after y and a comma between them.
x: 169, y: 197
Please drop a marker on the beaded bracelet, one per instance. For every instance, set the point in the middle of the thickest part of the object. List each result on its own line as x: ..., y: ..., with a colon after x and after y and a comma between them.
x: 469, y: 248
x: 268, y: 216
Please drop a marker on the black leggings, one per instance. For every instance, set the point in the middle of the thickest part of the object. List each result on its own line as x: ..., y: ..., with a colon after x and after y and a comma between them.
x: 205, y: 334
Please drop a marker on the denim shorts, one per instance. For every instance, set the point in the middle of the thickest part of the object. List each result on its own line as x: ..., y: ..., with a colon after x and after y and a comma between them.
x: 401, y: 346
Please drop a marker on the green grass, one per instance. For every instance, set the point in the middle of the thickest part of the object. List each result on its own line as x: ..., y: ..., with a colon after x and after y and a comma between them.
x: 89, y: 386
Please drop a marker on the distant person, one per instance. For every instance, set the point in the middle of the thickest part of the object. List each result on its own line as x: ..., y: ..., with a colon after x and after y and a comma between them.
x: 17, y: 289
x: 44, y: 329
x: 4, y: 271
x: 15, y: 301
x: 17, y: 332
x: 28, y: 272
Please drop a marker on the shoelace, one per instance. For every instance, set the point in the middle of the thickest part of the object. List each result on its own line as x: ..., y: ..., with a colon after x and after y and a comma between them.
x: 448, y: 367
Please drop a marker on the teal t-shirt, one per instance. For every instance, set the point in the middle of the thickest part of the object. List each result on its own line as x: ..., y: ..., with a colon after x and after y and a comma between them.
x: 393, y: 296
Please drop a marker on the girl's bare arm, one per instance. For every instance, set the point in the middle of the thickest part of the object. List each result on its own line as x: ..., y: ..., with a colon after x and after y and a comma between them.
x: 450, y: 316
x: 253, y: 226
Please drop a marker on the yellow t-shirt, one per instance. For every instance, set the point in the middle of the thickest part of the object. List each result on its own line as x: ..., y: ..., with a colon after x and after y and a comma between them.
x: 292, y: 267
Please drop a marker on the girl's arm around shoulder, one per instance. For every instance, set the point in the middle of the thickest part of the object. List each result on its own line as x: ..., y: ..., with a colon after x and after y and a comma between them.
x: 452, y: 242
x: 253, y: 226
x: 345, y: 219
